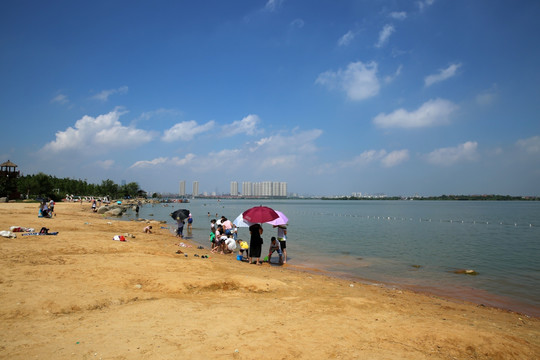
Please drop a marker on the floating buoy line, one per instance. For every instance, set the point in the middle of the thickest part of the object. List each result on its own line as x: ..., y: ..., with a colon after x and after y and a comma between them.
x: 421, y: 219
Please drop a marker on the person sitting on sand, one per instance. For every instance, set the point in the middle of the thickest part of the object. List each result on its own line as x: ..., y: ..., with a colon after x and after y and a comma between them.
x: 44, y: 210
x: 148, y: 229
x: 244, y: 247
x: 274, y: 246
x: 51, y: 207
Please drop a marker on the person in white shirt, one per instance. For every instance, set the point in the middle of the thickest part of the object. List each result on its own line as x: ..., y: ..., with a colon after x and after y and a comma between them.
x: 230, y: 245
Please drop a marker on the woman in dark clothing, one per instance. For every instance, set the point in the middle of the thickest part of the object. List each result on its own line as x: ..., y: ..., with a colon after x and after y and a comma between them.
x: 255, y: 243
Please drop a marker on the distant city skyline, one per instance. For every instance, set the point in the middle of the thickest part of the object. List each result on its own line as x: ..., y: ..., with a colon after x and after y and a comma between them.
x: 264, y: 188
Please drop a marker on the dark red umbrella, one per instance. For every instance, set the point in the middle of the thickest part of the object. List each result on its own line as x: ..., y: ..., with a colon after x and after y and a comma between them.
x: 260, y: 214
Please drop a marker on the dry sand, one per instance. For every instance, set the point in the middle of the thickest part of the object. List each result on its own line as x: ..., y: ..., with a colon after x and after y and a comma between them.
x: 81, y: 295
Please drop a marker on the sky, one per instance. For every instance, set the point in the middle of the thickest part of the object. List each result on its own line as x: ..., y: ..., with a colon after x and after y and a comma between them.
x: 425, y: 97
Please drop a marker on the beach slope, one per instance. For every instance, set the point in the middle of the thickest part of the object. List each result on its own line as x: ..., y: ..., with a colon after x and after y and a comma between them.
x: 81, y: 295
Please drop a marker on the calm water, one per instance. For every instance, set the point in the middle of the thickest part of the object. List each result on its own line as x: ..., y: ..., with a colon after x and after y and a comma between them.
x: 411, y: 244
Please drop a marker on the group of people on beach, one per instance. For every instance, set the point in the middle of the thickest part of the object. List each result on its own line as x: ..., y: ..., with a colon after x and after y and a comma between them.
x: 46, y: 208
x: 224, y: 239
x: 278, y: 244
x: 223, y: 235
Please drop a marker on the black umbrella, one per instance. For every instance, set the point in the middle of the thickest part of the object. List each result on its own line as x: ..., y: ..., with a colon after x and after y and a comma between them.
x: 180, y: 214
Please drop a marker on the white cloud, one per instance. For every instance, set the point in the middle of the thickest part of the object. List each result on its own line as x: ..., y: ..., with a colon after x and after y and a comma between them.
x: 296, y: 143
x: 395, y: 158
x: 451, y: 155
x: 370, y: 156
x: 443, y: 74
x: 432, y: 113
x: 530, y: 145
x: 273, y: 152
x: 60, y: 99
x: 248, y: 125
x: 273, y: 5
x: 401, y: 15
x: 388, y: 79
x: 89, y: 134
x: 346, y: 39
x: 364, y: 158
x: 159, y: 113
x: 104, y: 95
x: 297, y: 23
x: 487, y: 97
x: 105, y: 164
x: 359, y: 81
x: 384, y: 35
x: 424, y: 4
x: 186, y: 130
x: 149, y: 163
x: 168, y: 162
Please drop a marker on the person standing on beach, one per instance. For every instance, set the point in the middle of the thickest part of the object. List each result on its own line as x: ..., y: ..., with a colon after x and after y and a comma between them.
x: 282, y: 238
x: 189, y: 223
x: 180, y: 229
x: 255, y: 243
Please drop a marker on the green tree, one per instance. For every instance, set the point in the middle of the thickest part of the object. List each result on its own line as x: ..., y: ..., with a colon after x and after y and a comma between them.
x: 130, y: 190
x: 108, y: 187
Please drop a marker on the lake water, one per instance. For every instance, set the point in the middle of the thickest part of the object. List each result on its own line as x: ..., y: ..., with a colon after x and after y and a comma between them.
x: 409, y: 244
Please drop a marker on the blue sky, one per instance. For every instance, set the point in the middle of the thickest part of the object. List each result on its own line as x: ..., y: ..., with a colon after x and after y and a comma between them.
x: 425, y: 97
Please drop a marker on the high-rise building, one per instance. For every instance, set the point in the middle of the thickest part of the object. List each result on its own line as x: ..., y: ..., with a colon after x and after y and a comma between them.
x: 266, y: 188
x: 247, y: 188
x: 234, y: 188
x: 257, y: 189
x: 282, y: 189
x: 182, y: 188
x: 195, y: 188
x: 275, y: 189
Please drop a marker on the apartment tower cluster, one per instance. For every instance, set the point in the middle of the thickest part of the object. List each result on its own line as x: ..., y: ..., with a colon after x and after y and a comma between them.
x: 260, y: 189
x: 249, y: 189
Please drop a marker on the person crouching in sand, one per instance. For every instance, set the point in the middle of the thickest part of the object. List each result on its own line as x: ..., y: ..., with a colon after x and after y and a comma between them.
x: 230, y: 245
x: 274, y: 246
x: 244, y: 247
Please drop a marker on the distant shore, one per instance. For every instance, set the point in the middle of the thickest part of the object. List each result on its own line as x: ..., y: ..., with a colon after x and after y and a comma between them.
x: 80, y: 294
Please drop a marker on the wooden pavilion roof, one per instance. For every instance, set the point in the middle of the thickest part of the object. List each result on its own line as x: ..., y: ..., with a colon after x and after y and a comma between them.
x: 8, y: 164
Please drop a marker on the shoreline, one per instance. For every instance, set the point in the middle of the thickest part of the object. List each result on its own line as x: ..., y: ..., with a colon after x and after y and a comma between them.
x: 81, y: 294
x: 475, y: 296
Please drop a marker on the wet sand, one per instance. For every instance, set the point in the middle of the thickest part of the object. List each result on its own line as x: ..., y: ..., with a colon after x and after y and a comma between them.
x: 82, y: 295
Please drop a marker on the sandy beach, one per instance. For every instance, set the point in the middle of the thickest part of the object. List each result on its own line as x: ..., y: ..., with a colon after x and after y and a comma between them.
x: 81, y: 295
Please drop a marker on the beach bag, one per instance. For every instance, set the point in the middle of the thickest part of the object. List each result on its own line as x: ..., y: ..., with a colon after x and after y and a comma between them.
x: 44, y: 230
x: 119, y: 238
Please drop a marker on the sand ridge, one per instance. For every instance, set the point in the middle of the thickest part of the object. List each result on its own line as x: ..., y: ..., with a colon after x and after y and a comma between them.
x: 82, y: 295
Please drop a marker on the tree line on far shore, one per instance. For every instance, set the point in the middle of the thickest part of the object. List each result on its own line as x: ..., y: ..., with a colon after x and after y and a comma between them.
x: 46, y: 186
x: 443, y: 197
